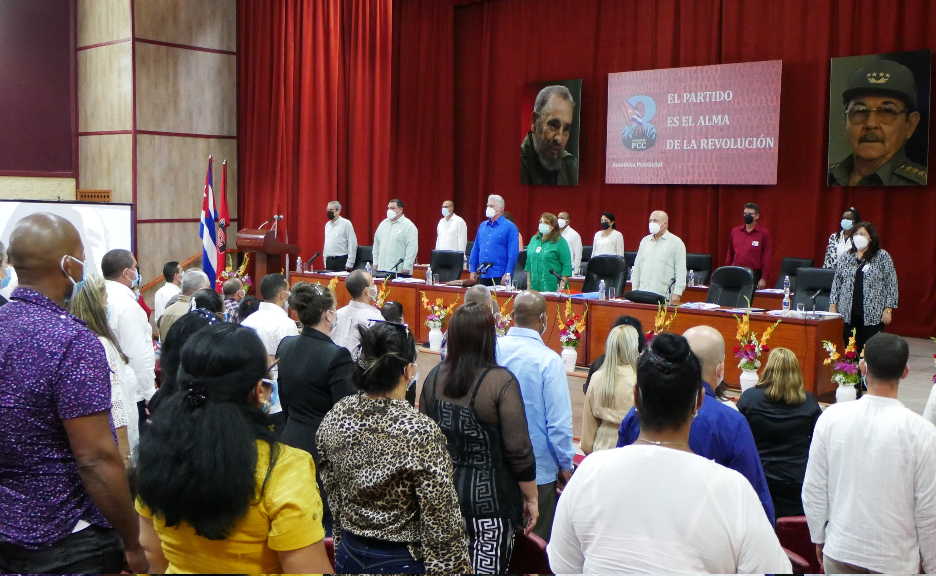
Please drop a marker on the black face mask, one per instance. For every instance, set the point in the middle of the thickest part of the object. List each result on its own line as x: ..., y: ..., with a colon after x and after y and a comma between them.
x: 605, y: 225
x: 748, y: 218
x: 331, y: 215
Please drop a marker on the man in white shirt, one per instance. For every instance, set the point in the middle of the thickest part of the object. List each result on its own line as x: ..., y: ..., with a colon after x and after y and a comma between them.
x: 573, y: 239
x: 452, y: 232
x: 870, y: 487
x: 395, y: 241
x: 359, y: 312
x: 128, y: 322
x: 340, y: 248
x: 172, y: 272
x: 271, y: 320
x: 661, y: 261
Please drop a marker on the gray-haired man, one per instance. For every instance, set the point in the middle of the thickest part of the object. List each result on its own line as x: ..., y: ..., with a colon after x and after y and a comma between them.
x: 340, y: 241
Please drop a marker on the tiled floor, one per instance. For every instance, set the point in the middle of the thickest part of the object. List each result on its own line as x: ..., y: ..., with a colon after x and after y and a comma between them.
x: 916, y: 388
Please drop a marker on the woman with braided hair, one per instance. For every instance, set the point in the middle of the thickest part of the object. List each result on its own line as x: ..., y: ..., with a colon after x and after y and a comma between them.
x: 386, y: 469
x: 217, y: 493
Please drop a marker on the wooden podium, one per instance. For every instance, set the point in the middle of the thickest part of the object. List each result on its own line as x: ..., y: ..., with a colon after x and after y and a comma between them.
x: 268, y: 252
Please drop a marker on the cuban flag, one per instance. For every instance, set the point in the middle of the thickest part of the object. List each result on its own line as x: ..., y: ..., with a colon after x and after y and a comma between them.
x: 208, y: 230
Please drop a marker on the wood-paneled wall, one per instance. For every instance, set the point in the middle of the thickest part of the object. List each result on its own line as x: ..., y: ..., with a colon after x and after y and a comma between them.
x: 171, y: 90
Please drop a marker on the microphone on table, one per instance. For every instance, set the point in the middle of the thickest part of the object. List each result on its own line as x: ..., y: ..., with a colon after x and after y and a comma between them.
x: 557, y: 276
x: 484, y: 267
x: 394, y: 271
x: 310, y: 260
x: 397, y: 265
x: 813, y: 299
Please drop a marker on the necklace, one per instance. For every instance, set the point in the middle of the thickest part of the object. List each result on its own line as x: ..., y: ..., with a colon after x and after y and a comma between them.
x: 663, y: 443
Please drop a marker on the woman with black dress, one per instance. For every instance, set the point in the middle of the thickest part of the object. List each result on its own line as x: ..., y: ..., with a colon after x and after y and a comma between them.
x: 480, y: 410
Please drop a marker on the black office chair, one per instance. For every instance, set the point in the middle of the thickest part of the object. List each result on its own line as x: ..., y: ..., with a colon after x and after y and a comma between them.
x: 447, y: 264
x: 519, y: 276
x: 586, y: 256
x: 813, y: 287
x: 731, y: 286
x: 468, y: 249
x: 701, y: 266
x: 364, y: 255
x: 608, y: 267
x: 630, y: 258
x: 789, y: 267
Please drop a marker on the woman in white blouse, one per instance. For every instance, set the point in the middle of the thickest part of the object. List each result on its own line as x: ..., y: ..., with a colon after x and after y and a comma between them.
x: 89, y: 304
x: 654, y: 506
x: 840, y: 242
x: 608, y: 240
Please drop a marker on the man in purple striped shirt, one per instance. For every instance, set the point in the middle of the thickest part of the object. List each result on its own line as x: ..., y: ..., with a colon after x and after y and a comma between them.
x: 64, y: 497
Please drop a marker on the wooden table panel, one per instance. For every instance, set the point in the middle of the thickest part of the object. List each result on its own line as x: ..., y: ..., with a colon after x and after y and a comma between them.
x: 801, y: 336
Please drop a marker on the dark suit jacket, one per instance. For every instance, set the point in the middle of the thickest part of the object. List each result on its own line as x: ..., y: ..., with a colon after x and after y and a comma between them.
x: 314, y: 373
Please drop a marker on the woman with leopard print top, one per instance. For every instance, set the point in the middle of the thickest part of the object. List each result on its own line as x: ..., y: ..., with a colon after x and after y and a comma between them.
x: 386, y: 470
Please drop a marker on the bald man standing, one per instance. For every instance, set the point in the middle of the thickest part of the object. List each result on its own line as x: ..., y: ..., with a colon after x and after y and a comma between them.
x: 660, y: 266
x: 64, y: 502
x: 718, y: 432
x: 545, y: 391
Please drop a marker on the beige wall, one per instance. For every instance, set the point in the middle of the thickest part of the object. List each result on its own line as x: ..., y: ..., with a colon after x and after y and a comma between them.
x: 22, y: 188
x: 177, y: 90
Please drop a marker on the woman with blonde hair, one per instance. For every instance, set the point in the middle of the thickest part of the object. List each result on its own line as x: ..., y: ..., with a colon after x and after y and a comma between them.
x: 782, y: 415
x: 611, y: 393
x: 89, y: 304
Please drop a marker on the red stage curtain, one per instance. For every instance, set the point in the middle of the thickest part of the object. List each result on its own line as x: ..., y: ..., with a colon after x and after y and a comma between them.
x: 499, y: 47
x: 314, y: 111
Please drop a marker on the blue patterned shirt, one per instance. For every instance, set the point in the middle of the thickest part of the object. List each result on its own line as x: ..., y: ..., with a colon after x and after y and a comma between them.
x: 52, y: 368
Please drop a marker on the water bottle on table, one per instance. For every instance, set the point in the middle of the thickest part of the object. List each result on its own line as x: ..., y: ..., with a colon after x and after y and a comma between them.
x: 786, y: 295
x: 429, y: 275
x: 690, y: 279
x: 602, y: 292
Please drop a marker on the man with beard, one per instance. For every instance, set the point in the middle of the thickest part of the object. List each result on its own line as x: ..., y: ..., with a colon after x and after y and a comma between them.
x: 880, y: 116
x: 544, y: 160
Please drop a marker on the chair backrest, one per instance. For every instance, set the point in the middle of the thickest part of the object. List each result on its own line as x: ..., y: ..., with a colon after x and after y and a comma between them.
x: 447, y: 264
x: 608, y: 267
x: 790, y: 267
x: 630, y: 258
x: 519, y: 277
x: 586, y: 256
x: 793, y: 534
x: 529, y: 555
x: 731, y: 286
x: 365, y: 254
x: 809, y: 281
x: 701, y: 266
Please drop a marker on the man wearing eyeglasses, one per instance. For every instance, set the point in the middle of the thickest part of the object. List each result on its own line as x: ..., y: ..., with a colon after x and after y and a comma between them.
x: 880, y: 116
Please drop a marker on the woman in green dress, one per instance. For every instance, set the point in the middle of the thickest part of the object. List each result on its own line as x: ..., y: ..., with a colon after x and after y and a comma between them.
x: 548, y: 256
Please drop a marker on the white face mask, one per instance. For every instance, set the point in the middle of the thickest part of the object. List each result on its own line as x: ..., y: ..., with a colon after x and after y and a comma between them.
x: 861, y: 242
x: 391, y: 214
x: 654, y: 228
x: 544, y: 228
x: 446, y: 212
x: 490, y: 212
x: 372, y: 292
x: 563, y: 223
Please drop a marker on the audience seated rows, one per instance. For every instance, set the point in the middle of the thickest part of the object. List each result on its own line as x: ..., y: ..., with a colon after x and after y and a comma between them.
x: 224, y: 485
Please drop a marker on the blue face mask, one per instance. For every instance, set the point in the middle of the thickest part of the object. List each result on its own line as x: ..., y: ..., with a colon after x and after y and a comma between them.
x: 76, y: 286
x: 7, y: 277
x: 137, y: 280
x: 847, y: 224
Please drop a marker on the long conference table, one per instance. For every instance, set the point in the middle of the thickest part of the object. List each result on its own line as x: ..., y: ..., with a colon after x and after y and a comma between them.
x: 801, y: 335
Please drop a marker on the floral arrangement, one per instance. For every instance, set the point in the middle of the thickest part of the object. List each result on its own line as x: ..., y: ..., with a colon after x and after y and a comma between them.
x: 749, y: 347
x: 662, y: 322
x: 332, y: 285
x: 229, y: 273
x: 383, y: 295
x: 503, y: 318
x: 844, y: 369
x: 438, y: 311
x: 571, y: 325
